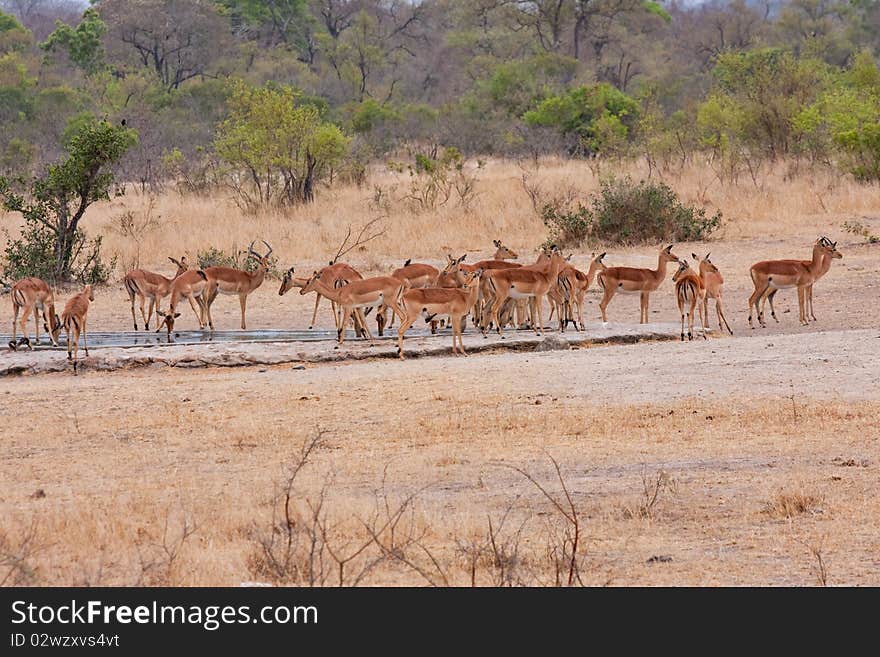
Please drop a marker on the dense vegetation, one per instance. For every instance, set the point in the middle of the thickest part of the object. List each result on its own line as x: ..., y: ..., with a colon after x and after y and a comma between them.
x: 269, y: 98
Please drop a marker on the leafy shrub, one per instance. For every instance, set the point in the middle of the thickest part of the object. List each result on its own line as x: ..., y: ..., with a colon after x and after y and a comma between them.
x: 33, y: 254
x: 236, y: 259
x: 624, y: 212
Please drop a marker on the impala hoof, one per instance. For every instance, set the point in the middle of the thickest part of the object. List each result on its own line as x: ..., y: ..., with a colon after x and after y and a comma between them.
x: 12, y: 345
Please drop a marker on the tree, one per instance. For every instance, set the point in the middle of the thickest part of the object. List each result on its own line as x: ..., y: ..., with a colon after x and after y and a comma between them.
x: 177, y: 39
x: 13, y: 36
x: 58, y: 201
x: 82, y: 43
x: 278, y: 147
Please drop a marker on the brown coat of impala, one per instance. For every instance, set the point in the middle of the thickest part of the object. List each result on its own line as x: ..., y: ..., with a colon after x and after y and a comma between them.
x: 690, y: 295
x: 633, y: 280
x: 572, y: 287
x: 333, y: 275
x: 145, y: 284
x: 417, y: 275
x: 435, y: 301
x: 237, y: 282
x: 530, y: 283
x: 73, y: 318
x: 369, y: 292
x: 712, y: 281
x: 770, y: 275
x: 823, y: 269
x: 33, y: 295
x: 190, y: 285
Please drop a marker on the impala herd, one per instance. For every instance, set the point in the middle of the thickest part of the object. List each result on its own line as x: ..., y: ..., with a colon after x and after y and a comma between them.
x: 495, y: 293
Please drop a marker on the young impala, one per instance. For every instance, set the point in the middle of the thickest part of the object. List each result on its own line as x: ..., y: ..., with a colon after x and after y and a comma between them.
x: 632, y: 280
x: 334, y: 275
x: 823, y: 269
x: 770, y: 275
x: 712, y: 282
x: 369, y: 292
x: 434, y: 301
x: 144, y: 284
x: 530, y: 283
x: 73, y: 317
x: 225, y: 280
x: 33, y: 295
x: 191, y: 285
x: 690, y: 295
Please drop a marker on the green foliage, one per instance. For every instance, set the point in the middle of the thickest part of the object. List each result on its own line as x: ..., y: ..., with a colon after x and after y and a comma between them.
x: 657, y: 9
x: 57, y: 201
x: 856, y: 227
x: 236, y: 259
x: 13, y: 35
x: 278, y: 148
x: 600, y: 115
x: 624, y: 212
x: 81, y: 43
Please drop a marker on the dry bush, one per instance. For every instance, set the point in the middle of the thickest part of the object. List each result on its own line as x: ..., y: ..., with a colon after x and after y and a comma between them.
x: 158, y: 555
x: 791, y: 504
x: 653, y: 487
x: 18, y: 550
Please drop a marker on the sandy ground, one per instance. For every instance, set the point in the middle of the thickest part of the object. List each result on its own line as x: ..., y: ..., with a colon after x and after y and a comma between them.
x: 767, y: 444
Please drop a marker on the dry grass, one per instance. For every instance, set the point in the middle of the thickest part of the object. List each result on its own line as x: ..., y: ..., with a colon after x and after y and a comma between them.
x: 790, y: 504
x: 786, y: 203
x: 185, y: 491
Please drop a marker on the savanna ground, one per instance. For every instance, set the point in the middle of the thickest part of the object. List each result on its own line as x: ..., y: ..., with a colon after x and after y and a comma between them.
x: 749, y: 459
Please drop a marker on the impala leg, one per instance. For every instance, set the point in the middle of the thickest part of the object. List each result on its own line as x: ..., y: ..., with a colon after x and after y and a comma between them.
x: 704, y: 318
x: 85, y: 341
x: 154, y: 303
x: 131, y: 301
x: 242, y: 299
x: 25, y: 339
x: 36, y: 325
x: 810, y: 302
x: 15, y: 310
x: 141, y: 300
x: 404, y: 325
x: 802, y: 305
x: 606, y: 298
x: 315, y: 312
x: 681, y: 310
x: 768, y: 298
x: 753, y: 302
x: 493, y: 315
x: 539, y: 304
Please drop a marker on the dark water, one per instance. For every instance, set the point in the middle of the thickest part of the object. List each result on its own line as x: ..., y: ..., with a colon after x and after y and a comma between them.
x: 153, y: 339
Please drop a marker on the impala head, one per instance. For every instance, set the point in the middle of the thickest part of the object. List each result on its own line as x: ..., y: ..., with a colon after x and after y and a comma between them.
x: 683, y: 266
x: 182, y: 264
x: 167, y: 321
x: 310, y: 284
x: 54, y: 329
x: 87, y: 291
x: 706, y: 265
x: 452, y: 264
x: 286, y: 282
x: 503, y: 252
x: 598, y: 258
x: 667, y: 255
x: 262, y: 259
x: 471, y: 279
x: 827, y: 247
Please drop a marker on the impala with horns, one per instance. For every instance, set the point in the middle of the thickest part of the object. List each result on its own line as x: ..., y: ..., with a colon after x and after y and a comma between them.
x: 333, y: 275
x: 690, y: 295
x: 634, y: 280
x: 528, y: 283
x: 435, y: 301
x: 145, y: 284
x: 770, y: 275
x: 712, y: 282
x: 237, y: 282
x: 73, y: 317
x: 365, y: 293
x: 33, y: 295
x: 823, y: 269
x: 191, y: 285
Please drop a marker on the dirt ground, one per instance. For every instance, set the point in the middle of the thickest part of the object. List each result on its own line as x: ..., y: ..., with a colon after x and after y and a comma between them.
x: 749, y: 459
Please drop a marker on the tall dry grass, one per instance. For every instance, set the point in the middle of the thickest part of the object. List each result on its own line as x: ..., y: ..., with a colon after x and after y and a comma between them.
x: 784, y: 202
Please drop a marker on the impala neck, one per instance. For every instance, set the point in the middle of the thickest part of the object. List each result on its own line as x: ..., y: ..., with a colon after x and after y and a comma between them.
x: 818, y: 260
x: 591, y: 272
x: 660, y: 272
x: 325, y: 290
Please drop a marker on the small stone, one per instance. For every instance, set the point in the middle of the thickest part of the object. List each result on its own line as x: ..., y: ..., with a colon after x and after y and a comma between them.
x: 38, y: 494
x: 553, y: 343
x: 661, y: 558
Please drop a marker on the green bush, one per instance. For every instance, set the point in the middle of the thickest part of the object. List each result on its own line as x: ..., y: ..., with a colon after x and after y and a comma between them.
x: 236, y: 259
x: 33, y: 254
x: 624, y: 212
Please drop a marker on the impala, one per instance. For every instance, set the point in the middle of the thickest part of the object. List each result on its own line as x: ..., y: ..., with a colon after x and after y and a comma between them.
x: 712, y: 281
x: 73, y: 317
x: 502, y: 252
x: 418, y: 275
x: 770, y: 275
x: 334, y: 275
x: 225, y: 280
x: 632, y: 280
x: 368, y: 292
x: 573, y: 286
x: 33, y: 295
x: 143, y: 284
x: 690, y: 294
x: 434, y: 301
x: 192, y: 285
x: 531, y: 283
x: 826, y: 265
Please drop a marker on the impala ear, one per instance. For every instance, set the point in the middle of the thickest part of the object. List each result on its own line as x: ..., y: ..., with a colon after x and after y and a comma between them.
x: 669, y: 248
x: 497, y: 243
x: 707, y: 256
x: 694, y: 256
x: 601, y: 256
x: 176, y: 315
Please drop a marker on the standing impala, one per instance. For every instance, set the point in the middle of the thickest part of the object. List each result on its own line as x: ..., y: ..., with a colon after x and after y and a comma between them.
x: 192, y: 285
x: 712, y: 281
x: 434, y: 301
x: 33, y: 295
x: 143, y: 284
x: 368, y: 292
x: 770, y: 275
x: 225, y: 280
x: 530, y: 283
x: 633, y: 280
x: 823, y: 269
x: 334, y: 275
x: 418, y: 275
x: 690, y: 295
x: 573, y: 286
x: 73, y: 317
